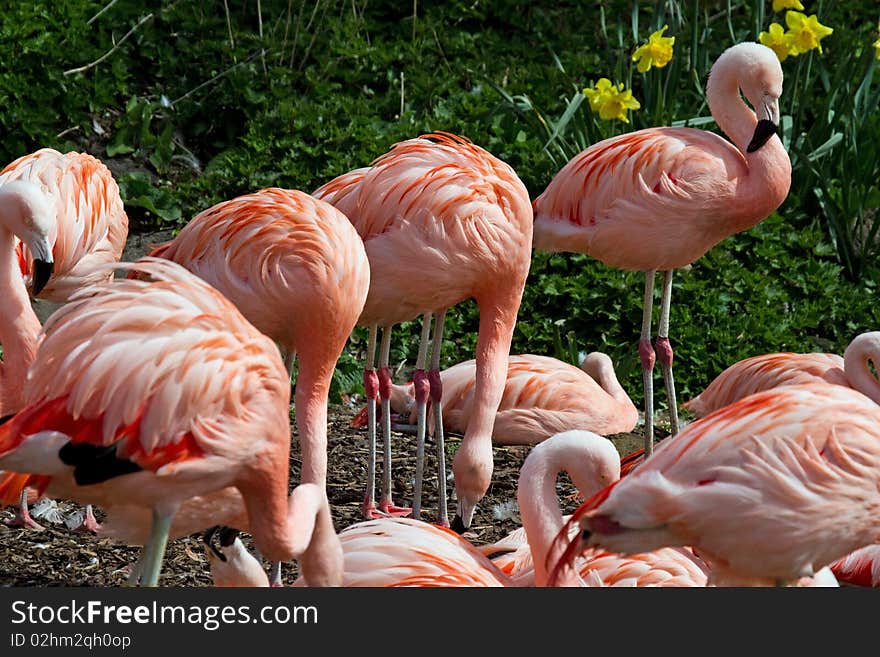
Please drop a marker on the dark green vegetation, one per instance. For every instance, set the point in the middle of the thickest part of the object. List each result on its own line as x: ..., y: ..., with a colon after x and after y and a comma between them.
x: 198, y: 105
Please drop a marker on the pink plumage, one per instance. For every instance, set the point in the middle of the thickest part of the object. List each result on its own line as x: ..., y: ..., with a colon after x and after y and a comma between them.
x: 859, y: 568
x: 297, y: 270
x: 657, y: 199
x: 442, y: 220
x: 149, y: 393
x: 769, y: 371
x: 542, y: 396
x: 769, y: 489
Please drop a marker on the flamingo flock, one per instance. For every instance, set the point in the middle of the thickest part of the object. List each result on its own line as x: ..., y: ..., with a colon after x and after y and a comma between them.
x: 160, y: 391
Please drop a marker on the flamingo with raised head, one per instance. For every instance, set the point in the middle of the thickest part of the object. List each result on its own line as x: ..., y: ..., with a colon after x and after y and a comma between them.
x: 148, y: 393
x: 297, y: 270
x: 657, y: 199
x: 768, y: 371
x: 61, y: 220
x: 542, y: 396
x: 442, y: 220
x: 767, y: 490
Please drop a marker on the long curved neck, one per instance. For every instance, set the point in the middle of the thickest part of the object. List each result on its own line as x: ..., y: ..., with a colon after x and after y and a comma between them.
x: 19, y: 326
x: 768, y: 178
x: 601, y: 370
x: 860, y: 355
x: 312, y: 390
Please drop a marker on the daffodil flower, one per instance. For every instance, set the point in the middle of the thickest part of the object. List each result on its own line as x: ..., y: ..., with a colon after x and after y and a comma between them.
x: 657, y: 52
x: 877, y: 44
x: 806, y: 32
x: 611, y: 101
x: 778, y: 40
x: 779, y: 5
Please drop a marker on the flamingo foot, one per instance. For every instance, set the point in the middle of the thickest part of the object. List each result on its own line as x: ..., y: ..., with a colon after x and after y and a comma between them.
x: 88, y: 524
x: 389, y: 510
x: 370, y: 510
x: 23, y: 519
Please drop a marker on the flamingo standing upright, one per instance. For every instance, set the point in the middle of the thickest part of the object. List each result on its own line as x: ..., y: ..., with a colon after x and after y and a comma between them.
x: 767, y: 490
x: 297, y: 270
x: 768, y: 371
x: 542, y: 396
x: 659, y: 198
x: 442, y: 221
x: 147, y: 393
x: 61, y: 220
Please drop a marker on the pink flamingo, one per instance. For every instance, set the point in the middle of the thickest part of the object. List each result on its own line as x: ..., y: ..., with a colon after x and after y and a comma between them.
x: 151, y: 392
x: 767, y: 490
x: 297, y: 270
x: 659, y: 198
x: 771, y: 370
x: 442, y: 221
x: 61, y: 220
x: 542, y: 396
x: 408, y: 552
x: 859, y: 568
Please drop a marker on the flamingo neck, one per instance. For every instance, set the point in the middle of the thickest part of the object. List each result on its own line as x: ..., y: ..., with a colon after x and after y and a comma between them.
x: 601, y: 370
x: 768, y: 179
x: 19, y: 326
x: 312, y: 392
x: 860, y: 355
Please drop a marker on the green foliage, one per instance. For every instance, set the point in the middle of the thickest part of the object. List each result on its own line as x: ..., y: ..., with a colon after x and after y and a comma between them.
x: 195, y: 106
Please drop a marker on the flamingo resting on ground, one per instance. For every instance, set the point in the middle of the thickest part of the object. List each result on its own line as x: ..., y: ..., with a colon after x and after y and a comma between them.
x: 768, y: 371
x: 297, y: 270
x: 659, y: 198
x: 148, y: 393
x: 767, y: 490
x: 61, y: 220
x: 442, y: 221
x: 542, y: 396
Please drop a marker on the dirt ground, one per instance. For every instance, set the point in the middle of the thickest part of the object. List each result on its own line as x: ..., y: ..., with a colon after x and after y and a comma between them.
x: 61, y: 557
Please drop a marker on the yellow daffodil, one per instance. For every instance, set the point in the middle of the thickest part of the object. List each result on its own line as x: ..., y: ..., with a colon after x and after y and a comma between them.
x: 806, y: 32
x: 877, y: 44
x: 778, y: 40
x: 779, y: 5
x: 611, y: 101
x: 657, y: 52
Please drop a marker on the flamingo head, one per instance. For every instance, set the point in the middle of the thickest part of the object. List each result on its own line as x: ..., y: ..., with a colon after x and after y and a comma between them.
x: 29, y: 213
x: 472, y: 469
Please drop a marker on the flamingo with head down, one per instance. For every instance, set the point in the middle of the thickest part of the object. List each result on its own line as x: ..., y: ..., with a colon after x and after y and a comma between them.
x: 767, y: 490
x: 61, y: 221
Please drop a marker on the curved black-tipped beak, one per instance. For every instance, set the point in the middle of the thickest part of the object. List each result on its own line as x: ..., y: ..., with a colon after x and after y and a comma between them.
x: 457, y: 525
x: 208, y: 539
x: 228, y: 536
x: 763, y: 131
x: 42, y: 273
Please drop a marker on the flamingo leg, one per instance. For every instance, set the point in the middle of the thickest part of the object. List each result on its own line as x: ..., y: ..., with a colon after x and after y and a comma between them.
x: 436, y: 402
x: 23, y: 516
x: 154, y: 550
x: 386, y: 506
x: 664, y: 350
x: 275, y: 575
x: 421, y: 391
x: 89, y: 522
x: 648, y: 359
x: 371, y: 388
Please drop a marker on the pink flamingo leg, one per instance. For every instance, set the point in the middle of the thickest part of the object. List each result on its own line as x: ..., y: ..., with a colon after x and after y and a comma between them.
x: 664, y: 350
x: 386, y: 506
x: 371, y: 389
x: 648, y: 358
x: 23, y: 516
x: 436, y: 401
x: 89, y: 522
x: 421, y: 390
